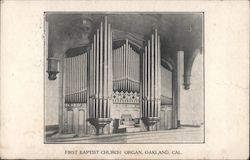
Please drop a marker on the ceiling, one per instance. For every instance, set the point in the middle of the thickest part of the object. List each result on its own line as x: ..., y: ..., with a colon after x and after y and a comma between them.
x: 178, y: 31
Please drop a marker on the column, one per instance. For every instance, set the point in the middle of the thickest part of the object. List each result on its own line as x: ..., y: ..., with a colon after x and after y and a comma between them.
x: 61, y: 95
x: 178, y: 79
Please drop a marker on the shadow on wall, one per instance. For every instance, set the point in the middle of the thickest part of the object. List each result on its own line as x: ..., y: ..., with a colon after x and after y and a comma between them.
x: 192, y: 102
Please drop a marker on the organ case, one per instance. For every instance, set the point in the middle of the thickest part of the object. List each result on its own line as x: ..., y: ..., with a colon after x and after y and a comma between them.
x: 103, y: 76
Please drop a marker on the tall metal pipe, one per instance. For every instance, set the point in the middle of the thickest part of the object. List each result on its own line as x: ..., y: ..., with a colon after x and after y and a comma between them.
x: 105, y: 59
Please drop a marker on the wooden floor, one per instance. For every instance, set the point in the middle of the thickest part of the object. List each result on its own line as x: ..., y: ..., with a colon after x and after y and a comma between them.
x: 180, y: 135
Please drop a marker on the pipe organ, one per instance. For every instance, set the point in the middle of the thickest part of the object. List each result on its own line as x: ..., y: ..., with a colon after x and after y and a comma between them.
x: 103, y: 78
x: 151, y: 81
x: 126, y: 69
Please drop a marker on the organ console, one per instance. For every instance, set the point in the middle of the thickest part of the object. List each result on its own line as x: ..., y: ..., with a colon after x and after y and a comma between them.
x: 104, y: 75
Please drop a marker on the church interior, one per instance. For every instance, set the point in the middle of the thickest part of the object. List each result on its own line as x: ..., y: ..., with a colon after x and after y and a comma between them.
x: 115, y: 73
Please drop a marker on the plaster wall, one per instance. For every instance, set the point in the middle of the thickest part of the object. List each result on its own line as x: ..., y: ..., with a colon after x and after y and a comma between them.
x: 192, y: 100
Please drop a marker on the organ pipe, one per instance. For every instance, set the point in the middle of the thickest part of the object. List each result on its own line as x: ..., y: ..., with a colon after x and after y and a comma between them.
x: 159, y: 75
x: 96, y: 73
x: 149, y: 80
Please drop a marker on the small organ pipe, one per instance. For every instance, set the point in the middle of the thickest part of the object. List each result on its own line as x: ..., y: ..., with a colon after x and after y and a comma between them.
x: 129, y: 68
x: 156, y: 65
x: 110, y: 68
x: 109, y: 64
x: 145, y: 81
x: 111, y: 77
x: 94, y: 70
x: 156, y: 75
x: 121, y: 69
x: 105, y: 59
x: 113, y: 66
x: 110, y: 71
x: 138, y: 79
x: 97, y: 73
x: 84, y: 77
x: 159, y: 75
x: 149, y: 78
x: 91, y: 70
x: 143, y: 84
x: 101, y: 73
x: 81, y: 70
x: 132, y: 69
x: 81, y: 73
x: 122, y: 65
x: 70, y: 88
x: 118, y: 68
x: 84, y: 67
x: 126, y: 65
x: 73, y: 77
x: 89, y: 89
x: 90, y: 55
x: 77, y: 79
x: 152, y: 77
x: 67, y: 79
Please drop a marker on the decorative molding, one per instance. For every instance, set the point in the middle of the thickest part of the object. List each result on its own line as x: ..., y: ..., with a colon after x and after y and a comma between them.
x: 70, y: 106
x: 135, y: 39
x: 53, y: 67
x: 166, y: 100
x: 126, y: 97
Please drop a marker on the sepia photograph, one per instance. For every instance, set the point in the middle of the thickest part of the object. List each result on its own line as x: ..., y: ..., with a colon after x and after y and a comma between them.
x: 124, y: 77
x: 120, y: 79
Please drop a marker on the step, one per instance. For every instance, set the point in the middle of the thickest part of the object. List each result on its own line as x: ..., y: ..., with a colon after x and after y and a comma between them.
x: 133, y: 129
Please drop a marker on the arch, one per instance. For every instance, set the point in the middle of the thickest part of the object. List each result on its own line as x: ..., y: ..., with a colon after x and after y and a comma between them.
x: 168, y: 64
x: 188, y: 68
